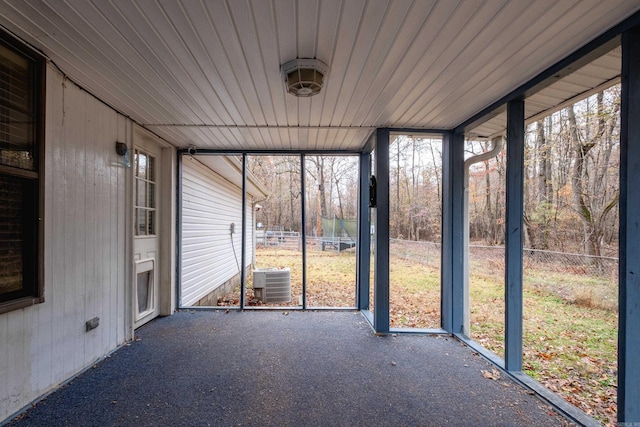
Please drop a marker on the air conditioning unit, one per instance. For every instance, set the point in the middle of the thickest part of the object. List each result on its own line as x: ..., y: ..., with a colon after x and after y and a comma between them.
x: 272, y: 284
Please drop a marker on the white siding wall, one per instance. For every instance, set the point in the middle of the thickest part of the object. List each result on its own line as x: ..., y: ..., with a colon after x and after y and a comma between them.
x: 85, y: 251
x: 209, y: 205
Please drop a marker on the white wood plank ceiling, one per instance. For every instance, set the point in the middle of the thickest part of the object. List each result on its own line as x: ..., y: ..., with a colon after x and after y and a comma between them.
x: 207, y: 72
x: 597, y: 75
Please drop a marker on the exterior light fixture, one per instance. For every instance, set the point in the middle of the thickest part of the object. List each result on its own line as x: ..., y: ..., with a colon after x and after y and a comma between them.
x: 304, y: 77
x: 123, y: 150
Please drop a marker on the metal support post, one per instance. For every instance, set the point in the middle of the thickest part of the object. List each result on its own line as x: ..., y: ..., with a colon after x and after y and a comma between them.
x: 629, y: 242
x: 452, y: 300
x: 243, y: 250
x: 363, y: 249
x: 514, y: 235
x: 381, y: 280
x: 304, y: 232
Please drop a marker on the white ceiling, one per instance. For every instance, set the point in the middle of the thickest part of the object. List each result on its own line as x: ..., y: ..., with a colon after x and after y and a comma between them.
x: 599, y: 74
x: 207, y: 73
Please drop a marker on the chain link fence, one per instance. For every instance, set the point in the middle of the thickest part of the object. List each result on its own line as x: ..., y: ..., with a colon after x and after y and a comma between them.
x: 427, y: 253
x: 485, y: 259
x: 491, y: 258
x: 277, y: 239
x: 603, y: 268
x: 578, y: 279
x: 292, y: 241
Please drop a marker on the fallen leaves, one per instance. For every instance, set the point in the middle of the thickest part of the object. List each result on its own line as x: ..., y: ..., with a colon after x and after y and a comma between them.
x: 546, y: 356
x: 494, y: 374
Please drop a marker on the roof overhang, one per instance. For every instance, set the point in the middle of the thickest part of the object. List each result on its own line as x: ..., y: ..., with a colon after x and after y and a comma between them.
x: 229, y: 167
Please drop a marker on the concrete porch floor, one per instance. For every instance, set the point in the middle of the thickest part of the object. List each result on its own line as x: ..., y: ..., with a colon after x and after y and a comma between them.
x: 272, y: 368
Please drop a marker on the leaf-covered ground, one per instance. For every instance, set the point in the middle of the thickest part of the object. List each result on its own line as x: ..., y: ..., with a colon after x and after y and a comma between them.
x: 569, y: 341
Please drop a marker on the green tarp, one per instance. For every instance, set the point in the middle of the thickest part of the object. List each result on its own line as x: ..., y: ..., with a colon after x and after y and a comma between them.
x: 337, y: 227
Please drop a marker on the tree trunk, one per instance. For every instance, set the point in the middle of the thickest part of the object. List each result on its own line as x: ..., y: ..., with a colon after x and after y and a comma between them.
x: 339, y: 199
x: 547, y: 165
x: 490, y: 218
x: 321, y: 188
x: 582, y: 148
x: 437, y: 176
x: 539, y: 227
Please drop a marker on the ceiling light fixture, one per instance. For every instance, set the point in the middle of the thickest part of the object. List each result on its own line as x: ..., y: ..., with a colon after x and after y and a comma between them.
x: 304, y: 77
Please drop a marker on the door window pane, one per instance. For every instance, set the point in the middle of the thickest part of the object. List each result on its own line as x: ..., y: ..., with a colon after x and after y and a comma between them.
x: 145, y: 197
x: 141, y: 191
x: 141, y: 222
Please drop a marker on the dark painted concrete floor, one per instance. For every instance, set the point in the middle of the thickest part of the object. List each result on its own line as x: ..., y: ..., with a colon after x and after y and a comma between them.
x: 269, y: 368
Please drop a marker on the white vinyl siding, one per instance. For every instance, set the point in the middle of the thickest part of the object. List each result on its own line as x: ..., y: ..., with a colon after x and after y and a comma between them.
x: 210, y: 204
x: 85, y: 272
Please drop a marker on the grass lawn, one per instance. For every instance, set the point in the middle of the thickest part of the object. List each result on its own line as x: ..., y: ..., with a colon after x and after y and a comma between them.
x: 570, y: 332
x: 570, y: 327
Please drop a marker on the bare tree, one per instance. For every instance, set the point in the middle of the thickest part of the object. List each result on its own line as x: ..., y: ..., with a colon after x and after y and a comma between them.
x: 592, y: 206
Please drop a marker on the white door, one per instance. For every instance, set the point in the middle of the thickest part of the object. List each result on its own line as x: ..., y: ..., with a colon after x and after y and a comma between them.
x: 146, y: 164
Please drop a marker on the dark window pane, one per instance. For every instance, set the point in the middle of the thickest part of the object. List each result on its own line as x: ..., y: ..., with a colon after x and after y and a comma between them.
x: 152, y: 222
x: 151, y: 174
x: 152, y: 196
x: 17, y: 111
x: 20, y: 148
x: 17, y: 233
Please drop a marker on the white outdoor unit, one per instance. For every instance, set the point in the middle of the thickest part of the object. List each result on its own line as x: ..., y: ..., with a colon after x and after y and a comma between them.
x: 272, y: 284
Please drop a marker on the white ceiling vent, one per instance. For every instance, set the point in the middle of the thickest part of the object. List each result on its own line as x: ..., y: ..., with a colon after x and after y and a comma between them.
x: 304, y: 77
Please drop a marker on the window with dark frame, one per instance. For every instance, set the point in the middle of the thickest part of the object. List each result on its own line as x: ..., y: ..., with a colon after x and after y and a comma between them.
x: 21, y: 149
